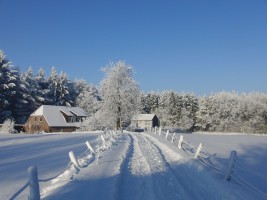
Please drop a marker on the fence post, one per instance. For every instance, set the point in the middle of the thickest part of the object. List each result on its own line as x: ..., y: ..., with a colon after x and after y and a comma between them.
x: 73, y: 159
x: 159, y: 130
x: 231, y: 166
x: 103, y: 140
x: 167, y: 134
x: 34, y: 193
x: 90, y: 147
x: 173, y: 137
x: 198, y: 150
x: 180, y: 142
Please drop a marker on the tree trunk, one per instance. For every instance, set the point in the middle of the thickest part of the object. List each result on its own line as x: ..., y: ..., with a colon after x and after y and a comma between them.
x: 118, y: 123
x: 119, y: 118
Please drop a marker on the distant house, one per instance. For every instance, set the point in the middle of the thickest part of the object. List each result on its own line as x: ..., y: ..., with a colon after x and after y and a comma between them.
x: 55, y: 119
x: 145, y: 121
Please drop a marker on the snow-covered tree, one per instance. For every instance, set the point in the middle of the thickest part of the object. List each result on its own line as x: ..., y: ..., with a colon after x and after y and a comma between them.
x: 9, y: 77
x: 42, y: 88
x: 173, y: 109
x: 58, y: 88
x: 229, y: 111
x: 32, y: 92
x: 89, y: 99
x: 204, y: 115
x: 253, y: 112
x: 188, y: 111
x: 63, y: 93
x: 120, y: 93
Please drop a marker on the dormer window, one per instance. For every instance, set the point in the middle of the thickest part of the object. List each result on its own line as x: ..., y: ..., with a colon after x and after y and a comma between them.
x: 74, y: 118
x: 70, y: 119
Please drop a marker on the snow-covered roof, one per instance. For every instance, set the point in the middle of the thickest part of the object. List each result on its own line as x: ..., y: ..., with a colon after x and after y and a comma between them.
x: 66, y: 111
x: 78, y: 111
x: 54, y: 116
x: 144, y: 117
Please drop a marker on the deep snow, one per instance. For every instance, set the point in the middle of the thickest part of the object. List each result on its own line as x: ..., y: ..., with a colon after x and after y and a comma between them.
x: 134, y: 166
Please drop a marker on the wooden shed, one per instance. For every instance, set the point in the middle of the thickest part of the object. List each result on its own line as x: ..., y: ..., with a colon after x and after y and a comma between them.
x: 145, y: 121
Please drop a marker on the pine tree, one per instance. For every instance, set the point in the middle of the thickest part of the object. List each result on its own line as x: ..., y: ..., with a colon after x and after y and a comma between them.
x: 8, y: 87
x: 63, y: 90
x: 31, y: 90
x: 42, y: 88
x: 58, y: 88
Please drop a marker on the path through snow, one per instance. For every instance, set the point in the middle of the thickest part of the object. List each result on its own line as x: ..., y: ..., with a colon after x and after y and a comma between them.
x: 139, y: 166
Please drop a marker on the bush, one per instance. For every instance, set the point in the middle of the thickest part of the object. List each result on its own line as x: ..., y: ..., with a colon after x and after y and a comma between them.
x: 8, y: 126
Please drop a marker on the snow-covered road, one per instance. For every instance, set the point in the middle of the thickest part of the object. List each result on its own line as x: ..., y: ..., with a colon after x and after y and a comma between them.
x: 139, y: 166
x: 133, y: 166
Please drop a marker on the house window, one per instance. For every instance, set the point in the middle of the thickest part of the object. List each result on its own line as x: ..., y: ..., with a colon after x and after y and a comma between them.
x: 35, y: 119
x: 41, y: 119
x: 69, y: 119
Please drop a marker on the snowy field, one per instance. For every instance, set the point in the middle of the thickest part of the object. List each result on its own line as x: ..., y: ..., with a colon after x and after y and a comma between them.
x: 134, y: 166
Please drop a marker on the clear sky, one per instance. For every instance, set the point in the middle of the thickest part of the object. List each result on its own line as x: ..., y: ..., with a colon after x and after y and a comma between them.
x: 184, y: 45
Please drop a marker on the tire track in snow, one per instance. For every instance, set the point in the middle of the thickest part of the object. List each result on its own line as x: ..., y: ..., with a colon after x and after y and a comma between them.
x: 134, y: 181
x: 121, y: 182
x: 165, y: 183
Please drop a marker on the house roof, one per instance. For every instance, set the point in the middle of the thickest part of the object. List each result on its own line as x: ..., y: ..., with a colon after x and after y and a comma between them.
x: 78, y: 112
x: 145, y: 117
x: 54, y: 116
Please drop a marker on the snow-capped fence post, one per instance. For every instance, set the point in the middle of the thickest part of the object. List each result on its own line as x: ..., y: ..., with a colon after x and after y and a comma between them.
x: 167, y: 134
x: 160, y: 131
x: 103, y: 140
x: 230, y: 171
x: 34, y: 191
x: 90, y: 147
x: 73, y: 159
x: 173, y: 137
x: 198, y: 150
x: 155, y: 129
x: 97, y: 157
x: 180, y: 142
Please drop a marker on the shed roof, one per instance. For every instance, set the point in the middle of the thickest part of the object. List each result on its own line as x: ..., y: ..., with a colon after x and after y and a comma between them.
x: 54, y: 116
x: 144, y: 117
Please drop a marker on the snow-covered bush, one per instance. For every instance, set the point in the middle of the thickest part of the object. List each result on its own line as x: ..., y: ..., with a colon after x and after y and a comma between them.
x: 8, y: 126
x: 91, y: 124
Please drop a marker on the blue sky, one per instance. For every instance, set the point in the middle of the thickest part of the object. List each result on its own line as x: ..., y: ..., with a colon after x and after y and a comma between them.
x: 183, y: 45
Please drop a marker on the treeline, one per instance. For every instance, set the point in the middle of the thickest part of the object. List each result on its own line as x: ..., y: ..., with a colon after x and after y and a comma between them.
x: 222, y: 112
x: 22, y: 93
